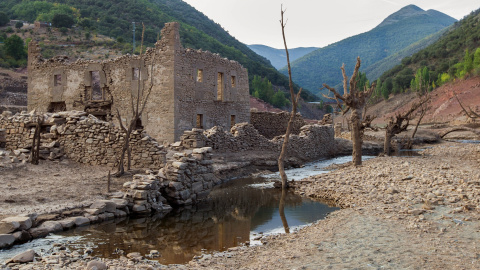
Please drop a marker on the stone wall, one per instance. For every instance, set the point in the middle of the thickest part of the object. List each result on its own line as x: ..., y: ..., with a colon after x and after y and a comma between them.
x: 271, y: 124
x: 83, y: 138
x: 188, y: 176
x: 312, y: 142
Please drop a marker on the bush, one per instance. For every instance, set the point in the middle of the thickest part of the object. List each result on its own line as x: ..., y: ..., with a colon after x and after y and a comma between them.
x: 62, y: 20
x: 3, y: 18
x: 14, y: 47
x: 19, y: 25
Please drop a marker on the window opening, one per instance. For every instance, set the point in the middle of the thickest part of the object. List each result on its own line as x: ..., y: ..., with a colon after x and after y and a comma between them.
x: 234, y: 81
x: 97, y: 93
x: 232, y: 121
x: 199, y: 75
x: 135, y: 74
x: 57, y: 80
x: 199, y: 123
x: 220, y: 86
x: 54, y: 107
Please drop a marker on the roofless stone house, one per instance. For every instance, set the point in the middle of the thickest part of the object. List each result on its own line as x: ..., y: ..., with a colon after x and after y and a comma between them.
x: 190, y: 88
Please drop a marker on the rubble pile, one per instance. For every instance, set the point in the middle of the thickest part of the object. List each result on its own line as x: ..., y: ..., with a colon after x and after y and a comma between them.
x: 143, y: 195
x: 193, y: 138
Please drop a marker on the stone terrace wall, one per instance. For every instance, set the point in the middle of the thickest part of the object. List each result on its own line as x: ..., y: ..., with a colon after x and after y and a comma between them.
x: 84, y: 139
x: 271, y: 124
x: 312, y: 142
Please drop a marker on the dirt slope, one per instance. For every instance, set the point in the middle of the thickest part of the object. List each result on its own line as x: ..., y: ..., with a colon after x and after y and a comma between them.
x: 444, y: 107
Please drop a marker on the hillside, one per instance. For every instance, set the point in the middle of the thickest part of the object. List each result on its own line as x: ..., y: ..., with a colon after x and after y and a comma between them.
x: 440, y: 58
x: 114, y: 19
x: 278, y: 57
x: 398, y: 31
x: 444, y: 108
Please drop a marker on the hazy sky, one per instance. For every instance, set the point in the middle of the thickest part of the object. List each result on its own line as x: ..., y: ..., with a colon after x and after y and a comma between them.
x: 312, y: 23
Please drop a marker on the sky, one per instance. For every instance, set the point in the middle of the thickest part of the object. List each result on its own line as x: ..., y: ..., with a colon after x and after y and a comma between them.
x: 312, y: 23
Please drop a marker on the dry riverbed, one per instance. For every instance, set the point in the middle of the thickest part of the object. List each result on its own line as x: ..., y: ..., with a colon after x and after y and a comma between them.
x: 418, y: 212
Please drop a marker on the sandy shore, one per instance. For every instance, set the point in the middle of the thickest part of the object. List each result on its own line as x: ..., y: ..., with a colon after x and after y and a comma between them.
x: 419, y: 212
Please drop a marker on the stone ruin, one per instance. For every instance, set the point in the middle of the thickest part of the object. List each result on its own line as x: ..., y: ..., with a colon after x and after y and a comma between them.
x: 190, y: 88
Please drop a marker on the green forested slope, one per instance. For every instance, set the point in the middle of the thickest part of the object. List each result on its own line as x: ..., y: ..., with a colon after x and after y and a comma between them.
x: 114, y: 18
x: 439, y: 58
x: 409, y: 25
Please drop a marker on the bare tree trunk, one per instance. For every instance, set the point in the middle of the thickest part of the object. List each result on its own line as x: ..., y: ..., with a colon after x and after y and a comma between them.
x: 387, y: 145
x: 281, y: 210
x: 294, y: 98
x: 35, y: 152
x: 356, y: 138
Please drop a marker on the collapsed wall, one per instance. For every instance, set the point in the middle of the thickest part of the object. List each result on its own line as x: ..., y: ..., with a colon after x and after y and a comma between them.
x: 83, y: 138
x: 312, y: 142
x: 274, y: 124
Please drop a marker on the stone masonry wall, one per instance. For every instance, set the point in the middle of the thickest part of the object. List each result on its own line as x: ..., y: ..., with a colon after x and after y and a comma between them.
x: 312, y: 142
x: 83, y: 138
x: 271, y: 124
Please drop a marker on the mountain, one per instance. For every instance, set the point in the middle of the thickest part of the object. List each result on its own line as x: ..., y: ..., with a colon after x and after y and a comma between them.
x: 398, y: 31
x: 442, y: 56
x: 114, y: 18
x: 278, y: 57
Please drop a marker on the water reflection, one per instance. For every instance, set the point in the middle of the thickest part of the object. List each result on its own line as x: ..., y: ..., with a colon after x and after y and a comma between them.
x: 234, y: 213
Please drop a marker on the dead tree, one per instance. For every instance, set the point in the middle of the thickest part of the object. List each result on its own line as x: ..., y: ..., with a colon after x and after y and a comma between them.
x: 294, y: 98
x: 138, y: 104
x: 35, y: 152
x: 422, y: 112
x: 400, y: 123
x: 470, y: 113
x: 354, y: 101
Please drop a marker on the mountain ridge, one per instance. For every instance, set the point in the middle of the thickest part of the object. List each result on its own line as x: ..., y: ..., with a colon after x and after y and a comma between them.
x: 323, y: 65
x: 278, y: 57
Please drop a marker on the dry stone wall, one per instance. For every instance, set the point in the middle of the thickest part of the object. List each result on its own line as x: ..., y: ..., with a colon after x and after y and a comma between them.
x: 188, y: 176
x: 271, y: 124
x: 82, y: 138
x: 312, y: 142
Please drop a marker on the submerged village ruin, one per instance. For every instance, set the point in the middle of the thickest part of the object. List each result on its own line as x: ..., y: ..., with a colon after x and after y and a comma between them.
x: 198, y: 107
x: 196, y: 131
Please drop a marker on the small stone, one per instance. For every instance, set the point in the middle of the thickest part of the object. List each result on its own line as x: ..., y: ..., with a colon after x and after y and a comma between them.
x: 24, y: 257
x: 96, y: 265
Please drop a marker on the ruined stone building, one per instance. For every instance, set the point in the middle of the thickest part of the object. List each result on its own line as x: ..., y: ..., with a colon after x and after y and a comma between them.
x: 189, y: 88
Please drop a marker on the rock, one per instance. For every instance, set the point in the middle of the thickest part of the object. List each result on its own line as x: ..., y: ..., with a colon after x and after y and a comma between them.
x: 6, y: 240
x: 105, y: 205
x: 21, y: 236
x: 67, y: 223
x: 46, y: 228
x: 120, y: 203
x: 416, y: 212
x: 25, y: 222
x: 81, y: 221
x: 8, y: 226
x: 24, y: 257
x: 96, y: 265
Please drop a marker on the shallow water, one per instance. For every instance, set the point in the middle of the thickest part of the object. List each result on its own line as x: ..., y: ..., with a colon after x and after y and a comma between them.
x: 234, y: 213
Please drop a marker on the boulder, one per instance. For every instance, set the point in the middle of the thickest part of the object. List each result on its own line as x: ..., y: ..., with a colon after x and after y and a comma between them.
x: 81, y: 221
x: 6, y: 240
x: 24, y: 257
x: 8, y: 226
x: 96, y: 265
x: 24, y: 222
x: 105, y: 205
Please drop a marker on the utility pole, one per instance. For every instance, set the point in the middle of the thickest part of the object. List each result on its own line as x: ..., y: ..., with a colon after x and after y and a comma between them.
x: 133, y: 52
